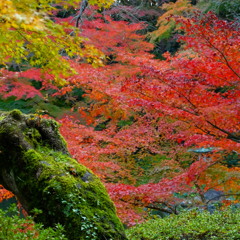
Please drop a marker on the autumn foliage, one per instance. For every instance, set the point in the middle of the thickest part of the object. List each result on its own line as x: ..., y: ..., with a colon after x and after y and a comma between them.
x: 139, y: 109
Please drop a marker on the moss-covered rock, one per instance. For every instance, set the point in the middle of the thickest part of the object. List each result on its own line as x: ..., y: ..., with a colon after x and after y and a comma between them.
x: 36, y: 166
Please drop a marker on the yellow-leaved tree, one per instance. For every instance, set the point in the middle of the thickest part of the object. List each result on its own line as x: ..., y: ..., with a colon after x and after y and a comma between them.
x: 28, y: 34
x: 166, y: 23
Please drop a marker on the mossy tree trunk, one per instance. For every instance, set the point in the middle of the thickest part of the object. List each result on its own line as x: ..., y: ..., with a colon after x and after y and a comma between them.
x: 36, y: 166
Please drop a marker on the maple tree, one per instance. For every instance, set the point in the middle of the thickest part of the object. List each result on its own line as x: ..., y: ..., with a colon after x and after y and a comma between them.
x: 201, y: 105
x: 198, y: 90
x: 28, y: 35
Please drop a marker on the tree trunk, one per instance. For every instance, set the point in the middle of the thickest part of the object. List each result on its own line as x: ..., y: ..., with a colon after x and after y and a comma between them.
x: 36, y: 166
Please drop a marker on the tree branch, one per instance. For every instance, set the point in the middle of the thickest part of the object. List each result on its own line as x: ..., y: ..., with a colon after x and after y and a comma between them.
x: 83, y: 6
x: 232, y: 136
x: 223, y: 195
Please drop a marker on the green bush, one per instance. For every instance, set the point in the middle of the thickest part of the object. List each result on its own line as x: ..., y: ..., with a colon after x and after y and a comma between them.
x: 12, y: 227
x: 191, y: 225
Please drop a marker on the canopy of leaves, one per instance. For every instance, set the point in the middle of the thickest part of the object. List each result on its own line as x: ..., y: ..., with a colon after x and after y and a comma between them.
x: 29, y: 36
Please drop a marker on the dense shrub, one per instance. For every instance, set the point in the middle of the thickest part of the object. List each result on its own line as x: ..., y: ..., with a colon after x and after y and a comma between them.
x: 12, y: 227
x: 192, y: 225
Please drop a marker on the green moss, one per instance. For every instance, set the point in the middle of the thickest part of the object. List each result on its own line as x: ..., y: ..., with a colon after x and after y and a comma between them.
x: 16, y: 114
x: 33, y: 136
x: 2, y: 117
x: 81, y: 201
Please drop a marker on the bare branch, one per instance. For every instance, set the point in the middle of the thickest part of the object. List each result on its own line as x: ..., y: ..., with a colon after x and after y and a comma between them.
x: 83, y: 6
